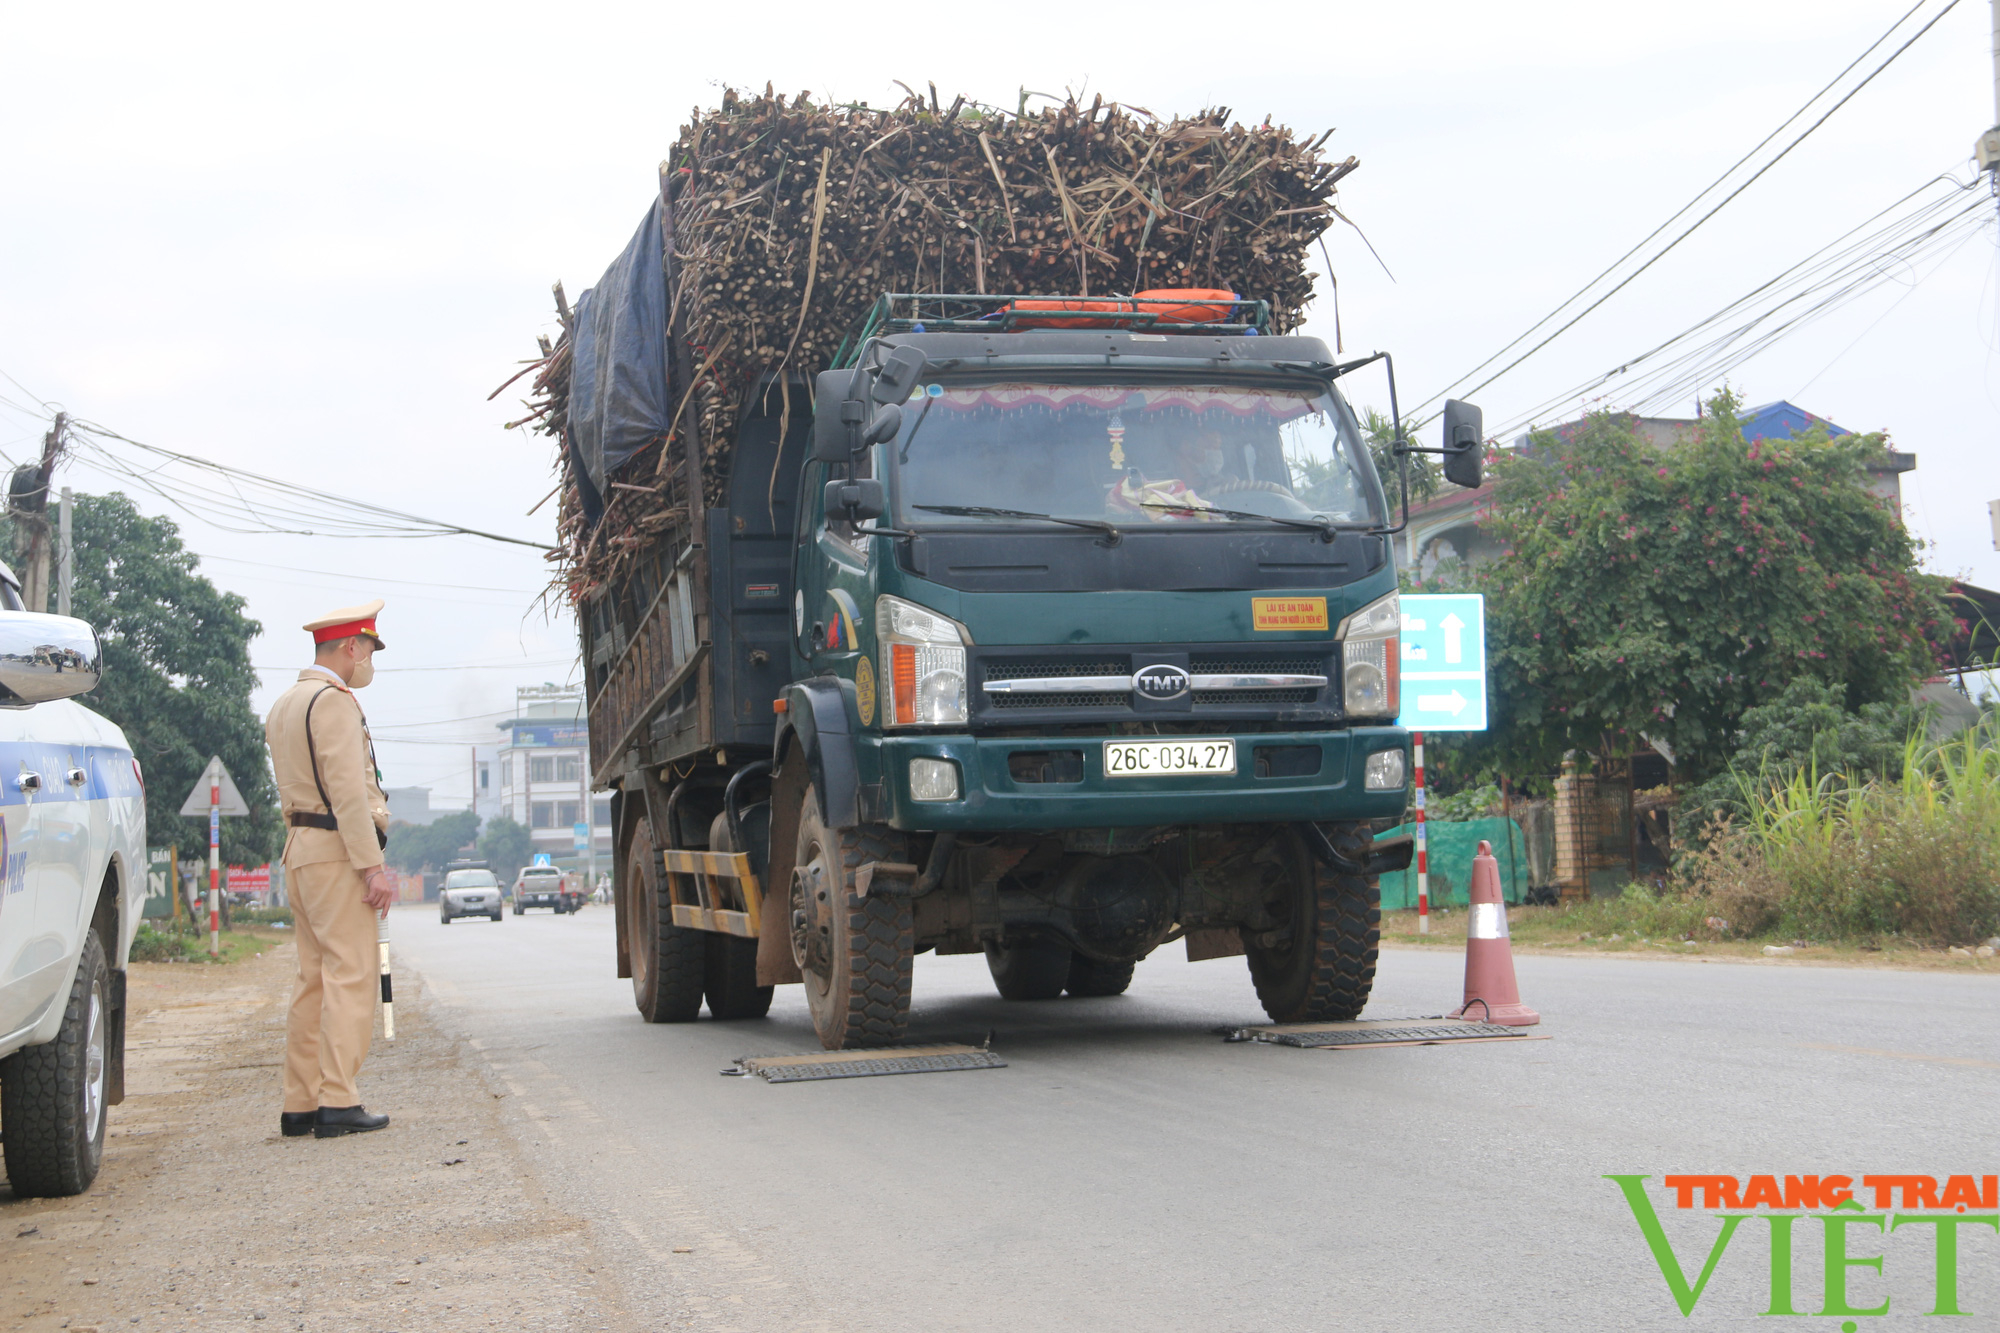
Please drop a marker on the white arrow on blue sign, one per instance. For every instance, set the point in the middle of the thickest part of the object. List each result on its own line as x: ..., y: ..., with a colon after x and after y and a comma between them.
x: 1444, y: 662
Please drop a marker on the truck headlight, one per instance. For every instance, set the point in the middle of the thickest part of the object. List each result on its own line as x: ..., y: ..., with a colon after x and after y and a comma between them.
x: 1384, y: 771
x: 1370, y: 653
x: 923, y: 663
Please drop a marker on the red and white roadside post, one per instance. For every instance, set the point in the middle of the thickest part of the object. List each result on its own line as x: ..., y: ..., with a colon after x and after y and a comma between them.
x: 1423, y: 854
x: 214, y: 863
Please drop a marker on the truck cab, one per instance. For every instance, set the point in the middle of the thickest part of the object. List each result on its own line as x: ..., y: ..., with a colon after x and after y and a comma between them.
x: 1092, y: 646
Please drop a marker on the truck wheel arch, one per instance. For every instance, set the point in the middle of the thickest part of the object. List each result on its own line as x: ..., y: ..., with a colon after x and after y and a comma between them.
x: 815, y: 723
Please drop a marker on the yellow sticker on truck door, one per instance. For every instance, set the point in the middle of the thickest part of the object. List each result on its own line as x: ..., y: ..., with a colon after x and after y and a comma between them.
x: 1288, y: 613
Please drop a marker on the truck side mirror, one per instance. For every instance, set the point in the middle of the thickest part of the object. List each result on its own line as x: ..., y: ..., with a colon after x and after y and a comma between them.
x: 831, y: 413
x: 888, y: 419
x: 855, y: 499
x: 43, y: 658
x: 901, y: 370
x: 1464, y: 454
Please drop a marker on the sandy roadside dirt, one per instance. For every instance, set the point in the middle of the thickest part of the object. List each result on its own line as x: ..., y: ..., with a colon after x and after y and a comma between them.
x: 204, y: 1216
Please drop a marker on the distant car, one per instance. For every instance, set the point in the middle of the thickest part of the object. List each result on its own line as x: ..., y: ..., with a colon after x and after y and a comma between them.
x: 546, y: 886
x: 469, y: 893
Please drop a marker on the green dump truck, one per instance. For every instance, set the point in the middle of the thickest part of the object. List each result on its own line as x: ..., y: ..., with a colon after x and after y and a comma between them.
x: 1055, y: 637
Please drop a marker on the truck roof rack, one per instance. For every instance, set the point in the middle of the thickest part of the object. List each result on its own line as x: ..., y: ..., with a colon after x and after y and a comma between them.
x: 962, y: 312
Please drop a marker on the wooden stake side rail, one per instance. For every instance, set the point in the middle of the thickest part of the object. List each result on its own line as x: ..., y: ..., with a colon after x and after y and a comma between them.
x: 705, y: 912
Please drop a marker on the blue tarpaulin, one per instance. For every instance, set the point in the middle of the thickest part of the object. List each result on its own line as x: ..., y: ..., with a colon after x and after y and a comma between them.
x: 618, y: 398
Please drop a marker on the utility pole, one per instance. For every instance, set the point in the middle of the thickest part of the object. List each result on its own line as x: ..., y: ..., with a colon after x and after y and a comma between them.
x: 65, y: 556
x: 28, y: 506
x: 1987, y: 150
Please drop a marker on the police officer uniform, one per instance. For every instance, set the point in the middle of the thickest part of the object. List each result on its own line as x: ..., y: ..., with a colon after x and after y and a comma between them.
x: 337, y: 825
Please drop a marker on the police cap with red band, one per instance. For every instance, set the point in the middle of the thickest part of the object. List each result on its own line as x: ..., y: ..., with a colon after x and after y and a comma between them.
x: 347, y: 622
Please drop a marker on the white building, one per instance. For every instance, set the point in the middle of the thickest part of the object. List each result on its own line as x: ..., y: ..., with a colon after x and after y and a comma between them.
x: 544, y: 777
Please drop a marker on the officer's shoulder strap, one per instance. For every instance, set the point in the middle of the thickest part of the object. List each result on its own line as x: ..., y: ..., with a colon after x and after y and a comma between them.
x: 312, y: 749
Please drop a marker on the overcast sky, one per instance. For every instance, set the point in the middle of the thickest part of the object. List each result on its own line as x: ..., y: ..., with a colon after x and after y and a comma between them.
x: 309, y: 242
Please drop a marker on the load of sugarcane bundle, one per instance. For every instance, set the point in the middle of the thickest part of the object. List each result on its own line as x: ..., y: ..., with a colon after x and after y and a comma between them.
x: 791, y: 217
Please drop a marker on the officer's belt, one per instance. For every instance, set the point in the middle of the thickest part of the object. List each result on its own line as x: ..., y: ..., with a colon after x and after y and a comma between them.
x: 312, y: 819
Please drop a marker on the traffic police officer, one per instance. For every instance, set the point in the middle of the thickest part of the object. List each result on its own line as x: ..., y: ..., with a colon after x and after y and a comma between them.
x: 337, y: 819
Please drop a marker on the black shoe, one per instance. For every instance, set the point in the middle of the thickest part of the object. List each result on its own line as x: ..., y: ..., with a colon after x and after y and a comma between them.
x: 295, y: 1124
x: 333, y: 1121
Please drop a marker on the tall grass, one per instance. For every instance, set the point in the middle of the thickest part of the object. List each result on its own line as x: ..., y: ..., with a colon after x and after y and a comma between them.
x: 1917, y: 857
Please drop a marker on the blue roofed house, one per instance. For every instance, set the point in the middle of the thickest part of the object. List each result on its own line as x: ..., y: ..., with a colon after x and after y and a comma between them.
x: 1446, y: 528
x: 1613, y: 832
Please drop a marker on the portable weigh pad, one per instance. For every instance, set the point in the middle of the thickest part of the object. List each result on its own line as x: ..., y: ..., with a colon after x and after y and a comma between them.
x: 1381, y: 1032
x: 868, y: 1064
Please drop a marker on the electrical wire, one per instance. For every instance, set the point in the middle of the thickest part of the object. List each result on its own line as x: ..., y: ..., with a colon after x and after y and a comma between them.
x: 368, y: 579
x: 1685, y: 208
x: 1859, y: 260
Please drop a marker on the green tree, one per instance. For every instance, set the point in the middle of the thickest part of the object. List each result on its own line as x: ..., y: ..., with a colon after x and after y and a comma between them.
x: 506, y: 845
x: 416, y: 847
x: 177, y: 674
x: 1667, y: 591
x: 1323, y: 484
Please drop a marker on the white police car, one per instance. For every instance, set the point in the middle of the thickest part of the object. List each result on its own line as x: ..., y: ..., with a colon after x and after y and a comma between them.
x: 72, y: 881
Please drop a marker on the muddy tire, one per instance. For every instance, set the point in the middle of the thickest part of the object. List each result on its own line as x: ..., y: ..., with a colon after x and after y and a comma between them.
x: 669, y: 962
x: 1316, y: 963
x: 731, y: 985
x: 1031, y: 968
x: 855, y: 954
x: 1089, y: 977
x: 52, y: 1096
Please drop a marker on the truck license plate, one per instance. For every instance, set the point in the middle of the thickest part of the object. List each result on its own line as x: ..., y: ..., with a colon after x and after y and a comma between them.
x: 1153, y: 759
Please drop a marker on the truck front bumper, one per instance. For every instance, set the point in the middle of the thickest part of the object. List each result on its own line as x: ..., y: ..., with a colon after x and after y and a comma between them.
x: 992, y: 796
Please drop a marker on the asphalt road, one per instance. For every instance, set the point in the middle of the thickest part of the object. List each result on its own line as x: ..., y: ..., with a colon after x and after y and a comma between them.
x: 1129, y: 1170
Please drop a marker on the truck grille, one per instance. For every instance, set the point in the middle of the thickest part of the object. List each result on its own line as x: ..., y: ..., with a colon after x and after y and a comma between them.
x: 1034, y: 669
x: 1271, y: 664
x: 1098, y: 682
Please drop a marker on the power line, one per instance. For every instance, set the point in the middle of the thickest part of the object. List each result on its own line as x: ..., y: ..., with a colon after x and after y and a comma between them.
x: 238, y: 500
x: 1697, y: 224
x: 469, y: 666
x: 369, y: 579
x: 1853, y: 263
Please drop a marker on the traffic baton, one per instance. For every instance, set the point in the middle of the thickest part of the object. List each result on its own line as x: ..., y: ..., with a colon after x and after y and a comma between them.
x: 388, y: 994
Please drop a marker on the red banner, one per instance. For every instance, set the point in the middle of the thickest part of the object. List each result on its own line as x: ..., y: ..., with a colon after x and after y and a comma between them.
x: 255, y: 879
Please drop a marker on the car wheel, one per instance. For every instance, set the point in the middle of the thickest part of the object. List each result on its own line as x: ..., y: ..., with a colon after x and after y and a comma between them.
x: 52, y: 1096
x: 494, y: 915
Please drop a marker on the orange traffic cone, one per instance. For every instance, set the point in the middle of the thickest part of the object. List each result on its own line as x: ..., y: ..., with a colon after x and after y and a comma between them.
x: 1491, y: 993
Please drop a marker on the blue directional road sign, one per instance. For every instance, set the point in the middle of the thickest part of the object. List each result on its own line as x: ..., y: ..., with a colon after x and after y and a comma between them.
x: 1444, y: 662
x: 581, y: 834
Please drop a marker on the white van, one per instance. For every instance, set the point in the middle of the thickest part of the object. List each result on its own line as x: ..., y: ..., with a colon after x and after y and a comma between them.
x: 72, y: 882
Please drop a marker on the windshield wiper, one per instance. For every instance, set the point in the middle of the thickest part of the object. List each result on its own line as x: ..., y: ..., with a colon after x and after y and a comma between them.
x: 1110, y: 530
x: 1326, y: 527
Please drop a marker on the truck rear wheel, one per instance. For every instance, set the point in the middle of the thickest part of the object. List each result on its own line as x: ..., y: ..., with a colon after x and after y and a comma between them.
x: 1088, y: 976
x: 669, y: 962
x: 52, y: 1096
x: 855, y: 953
x: 731, y: 984
x: 1316, y: 963
x: 1034, y: 968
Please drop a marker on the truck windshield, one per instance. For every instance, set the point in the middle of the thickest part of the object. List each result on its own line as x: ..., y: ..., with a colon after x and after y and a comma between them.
x: 1133, y: 454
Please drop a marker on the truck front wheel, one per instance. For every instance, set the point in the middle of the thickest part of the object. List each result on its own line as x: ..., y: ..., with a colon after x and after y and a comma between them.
x: 856, y: 954
x: 1312, y: 949
x: 668, y: 961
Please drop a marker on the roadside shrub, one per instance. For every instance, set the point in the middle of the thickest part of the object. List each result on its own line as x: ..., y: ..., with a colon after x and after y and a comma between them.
x: 153, y: 945
x: 1918, y: 856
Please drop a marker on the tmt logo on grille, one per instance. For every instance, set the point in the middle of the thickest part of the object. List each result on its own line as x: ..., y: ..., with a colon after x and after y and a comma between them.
x: 1160, y: 682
